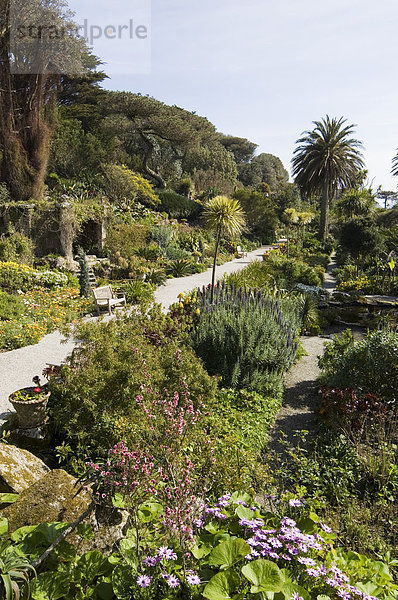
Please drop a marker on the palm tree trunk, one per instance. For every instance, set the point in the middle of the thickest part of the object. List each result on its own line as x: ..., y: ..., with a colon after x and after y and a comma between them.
x: 213, y: 278
x: 324, y: 224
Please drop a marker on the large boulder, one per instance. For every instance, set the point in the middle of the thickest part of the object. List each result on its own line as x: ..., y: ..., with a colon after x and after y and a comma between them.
x: 19, y: 469
x: 53, y: 498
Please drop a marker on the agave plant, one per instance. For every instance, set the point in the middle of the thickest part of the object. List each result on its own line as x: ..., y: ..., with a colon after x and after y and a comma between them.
x: 14, y: 572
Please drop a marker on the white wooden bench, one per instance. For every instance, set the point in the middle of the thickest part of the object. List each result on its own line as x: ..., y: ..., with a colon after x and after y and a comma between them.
x: 104, y: 297
x: 241, y: 253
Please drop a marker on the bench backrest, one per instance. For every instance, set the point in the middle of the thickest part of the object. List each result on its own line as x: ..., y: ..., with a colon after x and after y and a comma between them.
x: 103, y: 293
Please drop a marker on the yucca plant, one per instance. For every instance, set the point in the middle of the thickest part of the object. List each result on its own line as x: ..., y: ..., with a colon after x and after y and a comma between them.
x: 179, y: 268
x: 14, y: 572
x: 223, y: 216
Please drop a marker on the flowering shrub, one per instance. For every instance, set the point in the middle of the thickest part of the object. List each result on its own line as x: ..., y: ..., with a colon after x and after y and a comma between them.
x: 14, y: 276
x: 350, y: 410
x: 246, y: 337
x: 40, y: 311
x: 362, y: 284
x: 95, y: 406
x: 369, y: 365
x: 239, y: 551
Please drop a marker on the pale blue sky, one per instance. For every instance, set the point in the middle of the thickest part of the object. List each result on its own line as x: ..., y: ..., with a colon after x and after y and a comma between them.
x: 265, y: 70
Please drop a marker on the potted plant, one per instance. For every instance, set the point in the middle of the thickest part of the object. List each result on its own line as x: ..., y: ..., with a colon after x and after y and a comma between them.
x: 30, y: 404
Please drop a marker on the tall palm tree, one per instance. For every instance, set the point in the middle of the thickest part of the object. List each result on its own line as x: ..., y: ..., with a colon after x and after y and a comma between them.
x: 327, y: 159
x: 223, y: 216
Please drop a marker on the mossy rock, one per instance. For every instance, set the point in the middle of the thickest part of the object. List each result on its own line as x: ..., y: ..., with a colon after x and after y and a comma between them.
x: 53, y: 498
x: 19, y: 469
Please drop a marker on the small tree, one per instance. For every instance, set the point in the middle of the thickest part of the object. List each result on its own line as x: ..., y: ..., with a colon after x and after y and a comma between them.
x: 222, y: 215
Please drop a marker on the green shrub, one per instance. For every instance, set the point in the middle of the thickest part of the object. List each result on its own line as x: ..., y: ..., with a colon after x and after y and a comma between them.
x: 138, y: 292
x: 151, y: 252
x: 126, y: 238
x: 17, y: 248
x: 179, y: 268
x: 175, y: 252
x: 178, y: 206
x: 278, y: 269
x: 94, y: 407
x: 245, y: 338
x: 11, y: 307
x: 369, y: 366
x: 14, y: 277
x: 317, y: 260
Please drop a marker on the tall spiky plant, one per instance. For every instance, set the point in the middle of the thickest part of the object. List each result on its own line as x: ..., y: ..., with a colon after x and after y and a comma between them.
x: 223, y: 216
x: 394, y: 170
x: 326, y: 159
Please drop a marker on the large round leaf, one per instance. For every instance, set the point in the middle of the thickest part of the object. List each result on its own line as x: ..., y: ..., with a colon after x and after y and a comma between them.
x: 228, y: 553
x: 222, y: 586
x: 264, y: 575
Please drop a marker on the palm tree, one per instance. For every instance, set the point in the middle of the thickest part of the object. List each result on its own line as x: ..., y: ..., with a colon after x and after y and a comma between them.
x: 222, y: 215
x: 394, y: 170
x: 327, y: 159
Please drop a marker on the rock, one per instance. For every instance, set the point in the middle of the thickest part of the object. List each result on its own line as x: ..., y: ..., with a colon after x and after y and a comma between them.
x: 56, y: 497
x: 19, y: 469
x: 53, y: 498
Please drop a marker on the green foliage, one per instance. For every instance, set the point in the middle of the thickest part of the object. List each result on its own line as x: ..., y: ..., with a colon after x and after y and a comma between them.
x: 242, y: 420
x: 355, y: 203
x: 180, y: 267
x: 264, y: 169
x: 325, y: 159
x: 15, y: 570
x: 361, y: 238
x: 244, y: 337
x: 125, y: 188
x: 4, y: 193
x: 178, y: 206
x: 26, y: 318
x: 14, y: 277
x: 276, y: 270
x: 17, y: 248
x: 125, y: 238
x: 94, y: 407
x: 369, y: 365
x: 260, y: 213
x: 138, y: 292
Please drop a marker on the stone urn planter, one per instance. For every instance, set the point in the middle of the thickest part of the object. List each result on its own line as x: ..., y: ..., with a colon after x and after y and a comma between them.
x: 30, y: 404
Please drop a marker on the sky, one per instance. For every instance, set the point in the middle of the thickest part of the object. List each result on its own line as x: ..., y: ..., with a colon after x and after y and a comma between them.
x: 262, y: 69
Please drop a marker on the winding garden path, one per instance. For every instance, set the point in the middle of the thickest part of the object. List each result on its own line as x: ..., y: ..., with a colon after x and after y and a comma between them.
x: 301, y: 394
x: 17, y: 367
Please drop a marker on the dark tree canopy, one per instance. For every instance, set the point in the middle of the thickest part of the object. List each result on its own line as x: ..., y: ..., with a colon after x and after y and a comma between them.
x: 242, y: 149
x: 264, y: 168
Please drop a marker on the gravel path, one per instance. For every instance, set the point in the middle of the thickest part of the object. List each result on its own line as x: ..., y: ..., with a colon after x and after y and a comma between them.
x: 167, y: 293
x: 330, y: 281
x: 17, y: 367
x: 301, y: 397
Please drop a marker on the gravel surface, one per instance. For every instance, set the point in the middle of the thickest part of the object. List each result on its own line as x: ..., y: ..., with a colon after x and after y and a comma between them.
x: 301, y: 395
x: 17, y: 367
x: 330, y: 281
x: 168, y: 292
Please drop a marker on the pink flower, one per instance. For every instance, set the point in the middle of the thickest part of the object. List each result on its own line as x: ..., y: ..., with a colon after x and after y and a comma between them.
x: 37, y: 390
